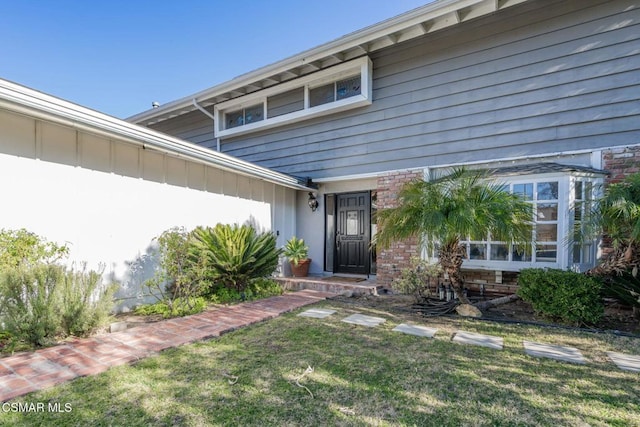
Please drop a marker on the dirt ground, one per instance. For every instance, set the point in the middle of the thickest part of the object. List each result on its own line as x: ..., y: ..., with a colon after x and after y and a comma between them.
x: 617, y: 318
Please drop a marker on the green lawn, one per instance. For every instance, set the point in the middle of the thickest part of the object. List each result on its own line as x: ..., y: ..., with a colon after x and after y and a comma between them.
x: 362, y: 376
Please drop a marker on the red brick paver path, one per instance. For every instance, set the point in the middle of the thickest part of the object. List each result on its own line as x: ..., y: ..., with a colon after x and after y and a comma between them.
x: 27, y: 372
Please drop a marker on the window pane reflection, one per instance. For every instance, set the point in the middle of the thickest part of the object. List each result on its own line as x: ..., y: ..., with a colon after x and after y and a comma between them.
x: 546, y: 253
x: 547, y: 191
x: 499, y: 252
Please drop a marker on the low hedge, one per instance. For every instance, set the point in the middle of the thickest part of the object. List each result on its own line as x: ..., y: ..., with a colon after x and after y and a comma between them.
x: 567, y: 296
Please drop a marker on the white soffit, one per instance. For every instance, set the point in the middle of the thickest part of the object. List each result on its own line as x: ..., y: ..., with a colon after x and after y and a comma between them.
x: 415, y: 23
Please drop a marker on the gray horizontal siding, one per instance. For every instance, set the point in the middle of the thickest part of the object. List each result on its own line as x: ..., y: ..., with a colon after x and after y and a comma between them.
x: 545, y: 77
x: 195, y: 127
x: 284, y: 103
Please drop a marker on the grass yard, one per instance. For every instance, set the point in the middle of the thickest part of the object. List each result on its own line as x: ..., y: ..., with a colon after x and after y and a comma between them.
x: 361, y: 376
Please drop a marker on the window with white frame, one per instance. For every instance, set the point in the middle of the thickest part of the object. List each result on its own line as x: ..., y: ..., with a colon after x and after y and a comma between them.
x: 334, y: 91
x: 560, y: 204
x: 338, y: 88
x: 250, y: 114
x: 583, y: 252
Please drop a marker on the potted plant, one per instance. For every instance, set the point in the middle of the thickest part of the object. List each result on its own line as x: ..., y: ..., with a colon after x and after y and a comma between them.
x: 296, y: 251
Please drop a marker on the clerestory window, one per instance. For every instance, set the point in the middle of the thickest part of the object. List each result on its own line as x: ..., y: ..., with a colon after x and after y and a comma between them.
x: 338, y: 88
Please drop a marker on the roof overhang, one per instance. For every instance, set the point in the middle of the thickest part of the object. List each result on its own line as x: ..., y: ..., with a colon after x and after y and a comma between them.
x: 22, y: 100
x: 415, y: 23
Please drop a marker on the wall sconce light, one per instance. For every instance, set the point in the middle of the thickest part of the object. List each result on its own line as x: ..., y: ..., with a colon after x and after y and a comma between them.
x: 313, y: 202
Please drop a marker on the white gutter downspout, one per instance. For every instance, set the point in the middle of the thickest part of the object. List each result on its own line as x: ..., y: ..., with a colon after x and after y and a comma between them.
x: 208, y: 114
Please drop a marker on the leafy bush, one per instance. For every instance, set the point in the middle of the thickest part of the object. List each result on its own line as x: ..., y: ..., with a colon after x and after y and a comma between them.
x: 235, y: 255
x: 179, y: 307
x: 264, y: 288
x: 86, y: 302
x: 418, y: 279
x: 30, y: 300
x: 223, y: 295
x: 257, y: 289
x: 41, y: 301
x: 39, y: 298
x: 571, y: 297
x: 21, y: 248
x: 7, y: 342
x: 181, y: 276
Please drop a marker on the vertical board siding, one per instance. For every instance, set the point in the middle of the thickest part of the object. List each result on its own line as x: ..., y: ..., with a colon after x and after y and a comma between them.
x: 530, y: 80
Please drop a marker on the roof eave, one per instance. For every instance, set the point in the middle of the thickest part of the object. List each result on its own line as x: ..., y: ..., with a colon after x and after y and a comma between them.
x: 22, y: 100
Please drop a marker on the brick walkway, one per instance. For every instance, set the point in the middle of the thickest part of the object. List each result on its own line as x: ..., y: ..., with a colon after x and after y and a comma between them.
x: 27, y: 372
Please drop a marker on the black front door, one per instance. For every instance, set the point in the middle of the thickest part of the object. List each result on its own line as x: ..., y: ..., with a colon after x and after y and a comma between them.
x: 353, y: 229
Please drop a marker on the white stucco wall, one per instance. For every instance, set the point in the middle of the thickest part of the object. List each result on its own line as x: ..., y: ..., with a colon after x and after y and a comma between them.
x: 108, y: 199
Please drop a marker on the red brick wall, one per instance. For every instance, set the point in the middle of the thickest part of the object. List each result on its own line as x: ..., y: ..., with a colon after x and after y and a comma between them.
x: 473, y: 279
x: 391, y: 261
x: 621, y: 162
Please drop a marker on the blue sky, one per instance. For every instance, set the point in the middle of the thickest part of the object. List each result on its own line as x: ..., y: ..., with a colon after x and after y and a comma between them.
x: 118, y: 56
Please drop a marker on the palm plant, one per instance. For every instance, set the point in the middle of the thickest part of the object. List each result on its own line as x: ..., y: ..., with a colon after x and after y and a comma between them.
x: 235, y: 255
x: 617, y: 215
x: 444, y: 211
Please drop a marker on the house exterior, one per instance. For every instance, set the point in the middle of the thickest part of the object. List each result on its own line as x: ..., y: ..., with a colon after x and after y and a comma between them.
x: 546, y: 93
x: 106, y: 187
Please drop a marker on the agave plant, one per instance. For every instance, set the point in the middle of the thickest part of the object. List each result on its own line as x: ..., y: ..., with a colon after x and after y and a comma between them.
x: 296, y: 250
x: 235, y: 255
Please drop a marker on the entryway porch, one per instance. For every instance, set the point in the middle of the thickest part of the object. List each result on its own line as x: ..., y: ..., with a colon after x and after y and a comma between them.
x: 333, y: 284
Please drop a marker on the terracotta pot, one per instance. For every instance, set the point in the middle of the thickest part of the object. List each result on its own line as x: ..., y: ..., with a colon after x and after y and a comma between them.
x: 302, y: 269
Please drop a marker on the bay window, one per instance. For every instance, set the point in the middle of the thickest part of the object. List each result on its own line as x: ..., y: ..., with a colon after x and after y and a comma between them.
x: 561, y: 203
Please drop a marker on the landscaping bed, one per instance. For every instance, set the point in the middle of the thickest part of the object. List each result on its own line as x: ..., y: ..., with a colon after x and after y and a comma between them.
x: 617, y: 318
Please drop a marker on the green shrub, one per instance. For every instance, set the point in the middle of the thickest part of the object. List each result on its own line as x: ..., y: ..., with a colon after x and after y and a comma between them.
x: 571, y: 297
x: 264, y: 288
x: 21, y: 248
x: 179, y: 307
x: 180, y: 276
x: 222, y: 295
x: 30, y: 299
x: 257, y: 289
x: 235, y: 255
x: 417, y: 279
x: 7, y: 342
x: 86, y: 302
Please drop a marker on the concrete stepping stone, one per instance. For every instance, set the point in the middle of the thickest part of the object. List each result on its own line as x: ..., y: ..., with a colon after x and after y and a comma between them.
x: 363, y: 320
x: 625, y: 362
x: 420, y: 331
x: 470, y: 338
x: 317, y: 313
x: 556, y: 352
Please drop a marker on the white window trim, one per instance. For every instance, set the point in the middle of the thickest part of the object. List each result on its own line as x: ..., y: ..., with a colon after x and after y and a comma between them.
x: 565, y: 224
x: 362, y: 66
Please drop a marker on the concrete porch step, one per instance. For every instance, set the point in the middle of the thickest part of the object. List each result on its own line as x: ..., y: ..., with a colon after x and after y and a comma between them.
x: 335, y: 285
